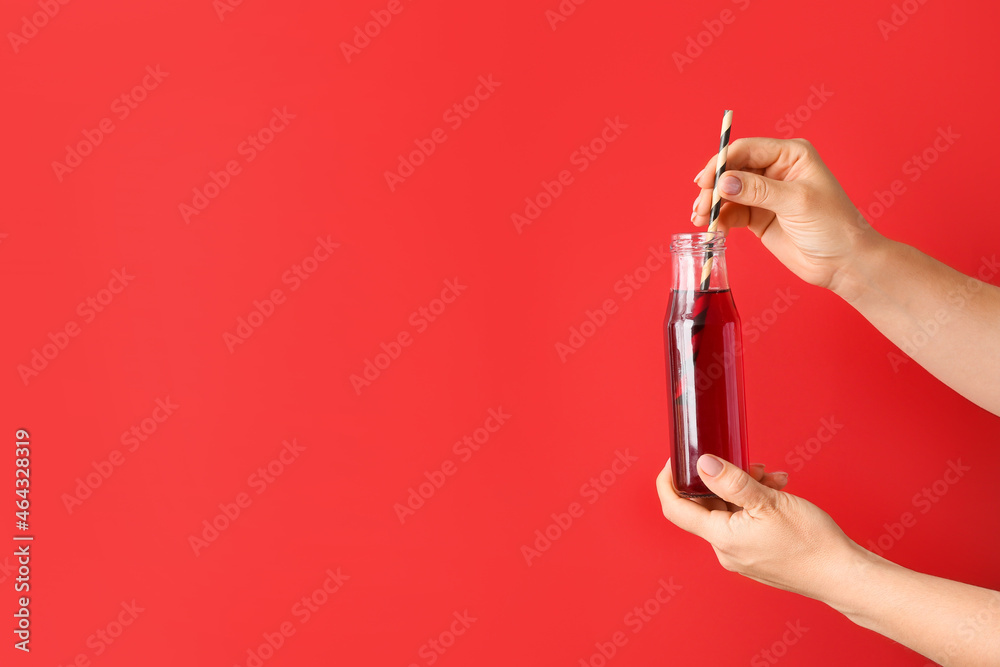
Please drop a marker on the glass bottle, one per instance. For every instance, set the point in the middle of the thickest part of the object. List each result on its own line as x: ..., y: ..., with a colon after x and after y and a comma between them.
x: 704, y: 350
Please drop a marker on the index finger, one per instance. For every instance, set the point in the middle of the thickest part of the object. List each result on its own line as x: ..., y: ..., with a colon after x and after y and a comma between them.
x: 761, y: 155
x: 680, y: 511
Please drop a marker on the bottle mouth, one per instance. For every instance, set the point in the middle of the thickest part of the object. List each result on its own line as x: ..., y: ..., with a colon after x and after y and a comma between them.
x: 698, y: 242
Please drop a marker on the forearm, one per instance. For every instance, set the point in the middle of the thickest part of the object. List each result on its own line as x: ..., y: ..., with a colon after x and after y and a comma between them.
x: 947, y: 621
x: 947, y: 322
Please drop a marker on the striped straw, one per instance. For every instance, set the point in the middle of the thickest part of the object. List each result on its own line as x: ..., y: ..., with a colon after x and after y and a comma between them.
x: 700, y: 310
x: 727, y: 123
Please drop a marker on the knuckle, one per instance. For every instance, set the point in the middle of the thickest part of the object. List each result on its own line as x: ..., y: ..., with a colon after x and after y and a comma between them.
x: 737, y: 482
x: 780, y: 502
x: 767, y: 504
x: 805, y: 143
x: 772, y: 503
x: 726, y: 561
x: 759, y: 192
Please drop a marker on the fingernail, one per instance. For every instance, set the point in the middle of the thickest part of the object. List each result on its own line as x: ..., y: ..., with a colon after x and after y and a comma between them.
x: 693, y: 216
x: 698, y: 176
x: 696, y: 200
x: 709, y: 465
x: 781, y: 477
x: 731, y: 185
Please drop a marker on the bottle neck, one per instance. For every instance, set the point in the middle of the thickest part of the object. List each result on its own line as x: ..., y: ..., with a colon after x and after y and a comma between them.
x: 689, y: 270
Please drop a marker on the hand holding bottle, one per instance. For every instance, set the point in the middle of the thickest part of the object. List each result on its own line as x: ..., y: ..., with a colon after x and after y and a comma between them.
x: 787, y: 542
x: 776, y: 538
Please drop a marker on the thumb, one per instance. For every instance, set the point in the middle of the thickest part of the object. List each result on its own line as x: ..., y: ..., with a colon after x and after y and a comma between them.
x: 750, y: 189
x: 733, y: 485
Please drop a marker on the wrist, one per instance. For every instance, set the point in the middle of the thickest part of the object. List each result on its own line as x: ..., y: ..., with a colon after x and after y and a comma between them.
x: 860, y: 575
x: 857, y: 276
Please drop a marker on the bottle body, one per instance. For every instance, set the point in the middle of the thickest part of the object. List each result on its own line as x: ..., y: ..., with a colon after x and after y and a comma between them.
x: 704, y: 352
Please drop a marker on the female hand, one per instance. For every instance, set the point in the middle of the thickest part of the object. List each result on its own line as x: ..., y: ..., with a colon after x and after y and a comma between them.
x: 776, y: 538
x: 773, y: 480
x: 783, y: 192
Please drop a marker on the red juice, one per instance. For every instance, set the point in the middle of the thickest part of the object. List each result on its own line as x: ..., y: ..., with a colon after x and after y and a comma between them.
x: 704, y: 346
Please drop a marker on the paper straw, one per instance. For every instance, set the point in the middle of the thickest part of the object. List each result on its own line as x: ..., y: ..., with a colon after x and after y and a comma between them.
x: 700, y: 309
x: 727, y: 123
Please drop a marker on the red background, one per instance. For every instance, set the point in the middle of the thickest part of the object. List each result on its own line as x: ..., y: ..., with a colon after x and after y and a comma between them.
x: 494, y: 346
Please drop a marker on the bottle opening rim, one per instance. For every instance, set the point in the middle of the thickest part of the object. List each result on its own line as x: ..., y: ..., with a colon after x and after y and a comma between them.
x: 698, y: 242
